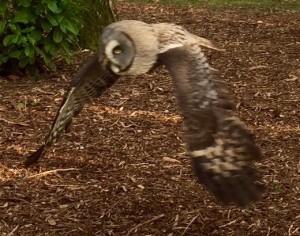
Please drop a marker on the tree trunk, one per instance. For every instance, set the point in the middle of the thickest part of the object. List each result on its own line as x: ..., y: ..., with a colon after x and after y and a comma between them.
x: 99, y: 14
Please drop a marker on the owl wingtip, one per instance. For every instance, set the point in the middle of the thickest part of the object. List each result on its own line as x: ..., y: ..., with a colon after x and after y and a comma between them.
x: 241, y: 189
x: 34, y: 157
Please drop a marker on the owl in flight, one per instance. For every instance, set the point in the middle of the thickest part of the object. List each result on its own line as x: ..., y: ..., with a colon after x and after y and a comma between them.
x: 220, y: 147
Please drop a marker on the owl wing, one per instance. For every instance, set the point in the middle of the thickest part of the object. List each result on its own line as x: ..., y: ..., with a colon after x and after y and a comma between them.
x: 90, y: 82
x: 221, y: 149
x: 173, y: 36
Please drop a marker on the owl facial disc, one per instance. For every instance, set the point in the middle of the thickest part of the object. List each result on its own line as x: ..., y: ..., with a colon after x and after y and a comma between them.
x: 118, y: 51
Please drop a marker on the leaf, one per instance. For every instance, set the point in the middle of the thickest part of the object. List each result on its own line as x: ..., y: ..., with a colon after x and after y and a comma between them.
x: 49, y: 61
x: 59, y: 18
x: 46, y: 26
x: 65, y: 47
x: 3, y: 7
x: 57, y: 35
x: 30, y: 39
x: 39, y: 51
x: 29, y: 51
x: 71, y: 39
x: 51, y: 48
x: 53, y: 7
x: 2, y: 26
x: 15, y: 54
x: 36, y: 35
x: 71, y: 26
x: 65, y: 2
x: 63, y: 28
x: 10, y: 39
x: 23, y: 62
x: 21, y: 40
x: 3, y: 59
x: 52, y: 20
x: 15, y: 28
x: 38, y: 9
x: 28, y: 29
x: 23, y: 15
x: 25, y: 3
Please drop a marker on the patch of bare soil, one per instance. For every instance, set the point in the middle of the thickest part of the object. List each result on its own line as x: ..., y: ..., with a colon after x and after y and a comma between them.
x: 112, y: 174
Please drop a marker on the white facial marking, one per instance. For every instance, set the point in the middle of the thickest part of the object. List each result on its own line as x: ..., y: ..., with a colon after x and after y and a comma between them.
x: 109, y: 48
x: 114, y: 68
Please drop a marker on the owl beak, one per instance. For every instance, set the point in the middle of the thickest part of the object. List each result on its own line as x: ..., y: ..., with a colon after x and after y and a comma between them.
x: 103, y: 60
x: 107, y: 64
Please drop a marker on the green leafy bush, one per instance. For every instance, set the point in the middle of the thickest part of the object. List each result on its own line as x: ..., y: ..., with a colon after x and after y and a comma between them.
x: 35, y: 31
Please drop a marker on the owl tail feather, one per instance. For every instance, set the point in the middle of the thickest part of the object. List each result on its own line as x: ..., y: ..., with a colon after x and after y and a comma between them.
x: 34, y: 157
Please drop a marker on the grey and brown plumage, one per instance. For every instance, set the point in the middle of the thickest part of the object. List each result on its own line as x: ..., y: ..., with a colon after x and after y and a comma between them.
x: 90, y: 82
x: 221, y: 149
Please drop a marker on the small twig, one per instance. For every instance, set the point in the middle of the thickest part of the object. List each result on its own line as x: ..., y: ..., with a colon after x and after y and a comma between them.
x: 269, y: 230
x: 43, y: 91
x: 176, y: 221
x: 295, y: 100
x: 73, y: 186
x: 230, y: 223
x: 31, y: 120
x: 115, y: 122
x: 186, y: 228
x: 294, y: 231
x: 12, y: 232
x: 14, y: 123
x: 121, y: 103
x: 51, y: 172
x: 257, y: 67
x: 14, y: 200
x: 144, y: 223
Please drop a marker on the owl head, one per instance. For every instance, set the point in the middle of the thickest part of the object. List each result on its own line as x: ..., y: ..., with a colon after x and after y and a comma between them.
x: 128, y: 47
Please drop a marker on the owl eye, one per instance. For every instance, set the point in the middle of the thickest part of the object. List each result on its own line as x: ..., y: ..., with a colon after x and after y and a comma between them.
x: 117, y: 50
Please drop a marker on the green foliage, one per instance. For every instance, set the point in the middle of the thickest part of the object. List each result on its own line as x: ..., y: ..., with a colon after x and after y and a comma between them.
x: 34, y: 31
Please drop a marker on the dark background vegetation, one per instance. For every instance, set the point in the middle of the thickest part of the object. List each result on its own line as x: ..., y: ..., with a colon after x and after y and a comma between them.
x: 33, y: 32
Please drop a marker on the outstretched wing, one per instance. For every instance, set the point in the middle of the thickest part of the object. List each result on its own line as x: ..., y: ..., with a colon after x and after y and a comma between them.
x: 173, y: 36
x: 90, y: 82
x: 221, y: 149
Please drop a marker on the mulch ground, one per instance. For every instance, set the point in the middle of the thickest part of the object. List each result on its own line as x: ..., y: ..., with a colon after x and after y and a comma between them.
x: 122, y: 168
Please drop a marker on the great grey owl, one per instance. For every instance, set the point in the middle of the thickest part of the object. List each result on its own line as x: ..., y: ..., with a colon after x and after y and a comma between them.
x: 221, y: 149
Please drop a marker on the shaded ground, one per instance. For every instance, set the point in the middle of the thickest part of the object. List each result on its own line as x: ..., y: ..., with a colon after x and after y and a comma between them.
x: 110, y: 174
